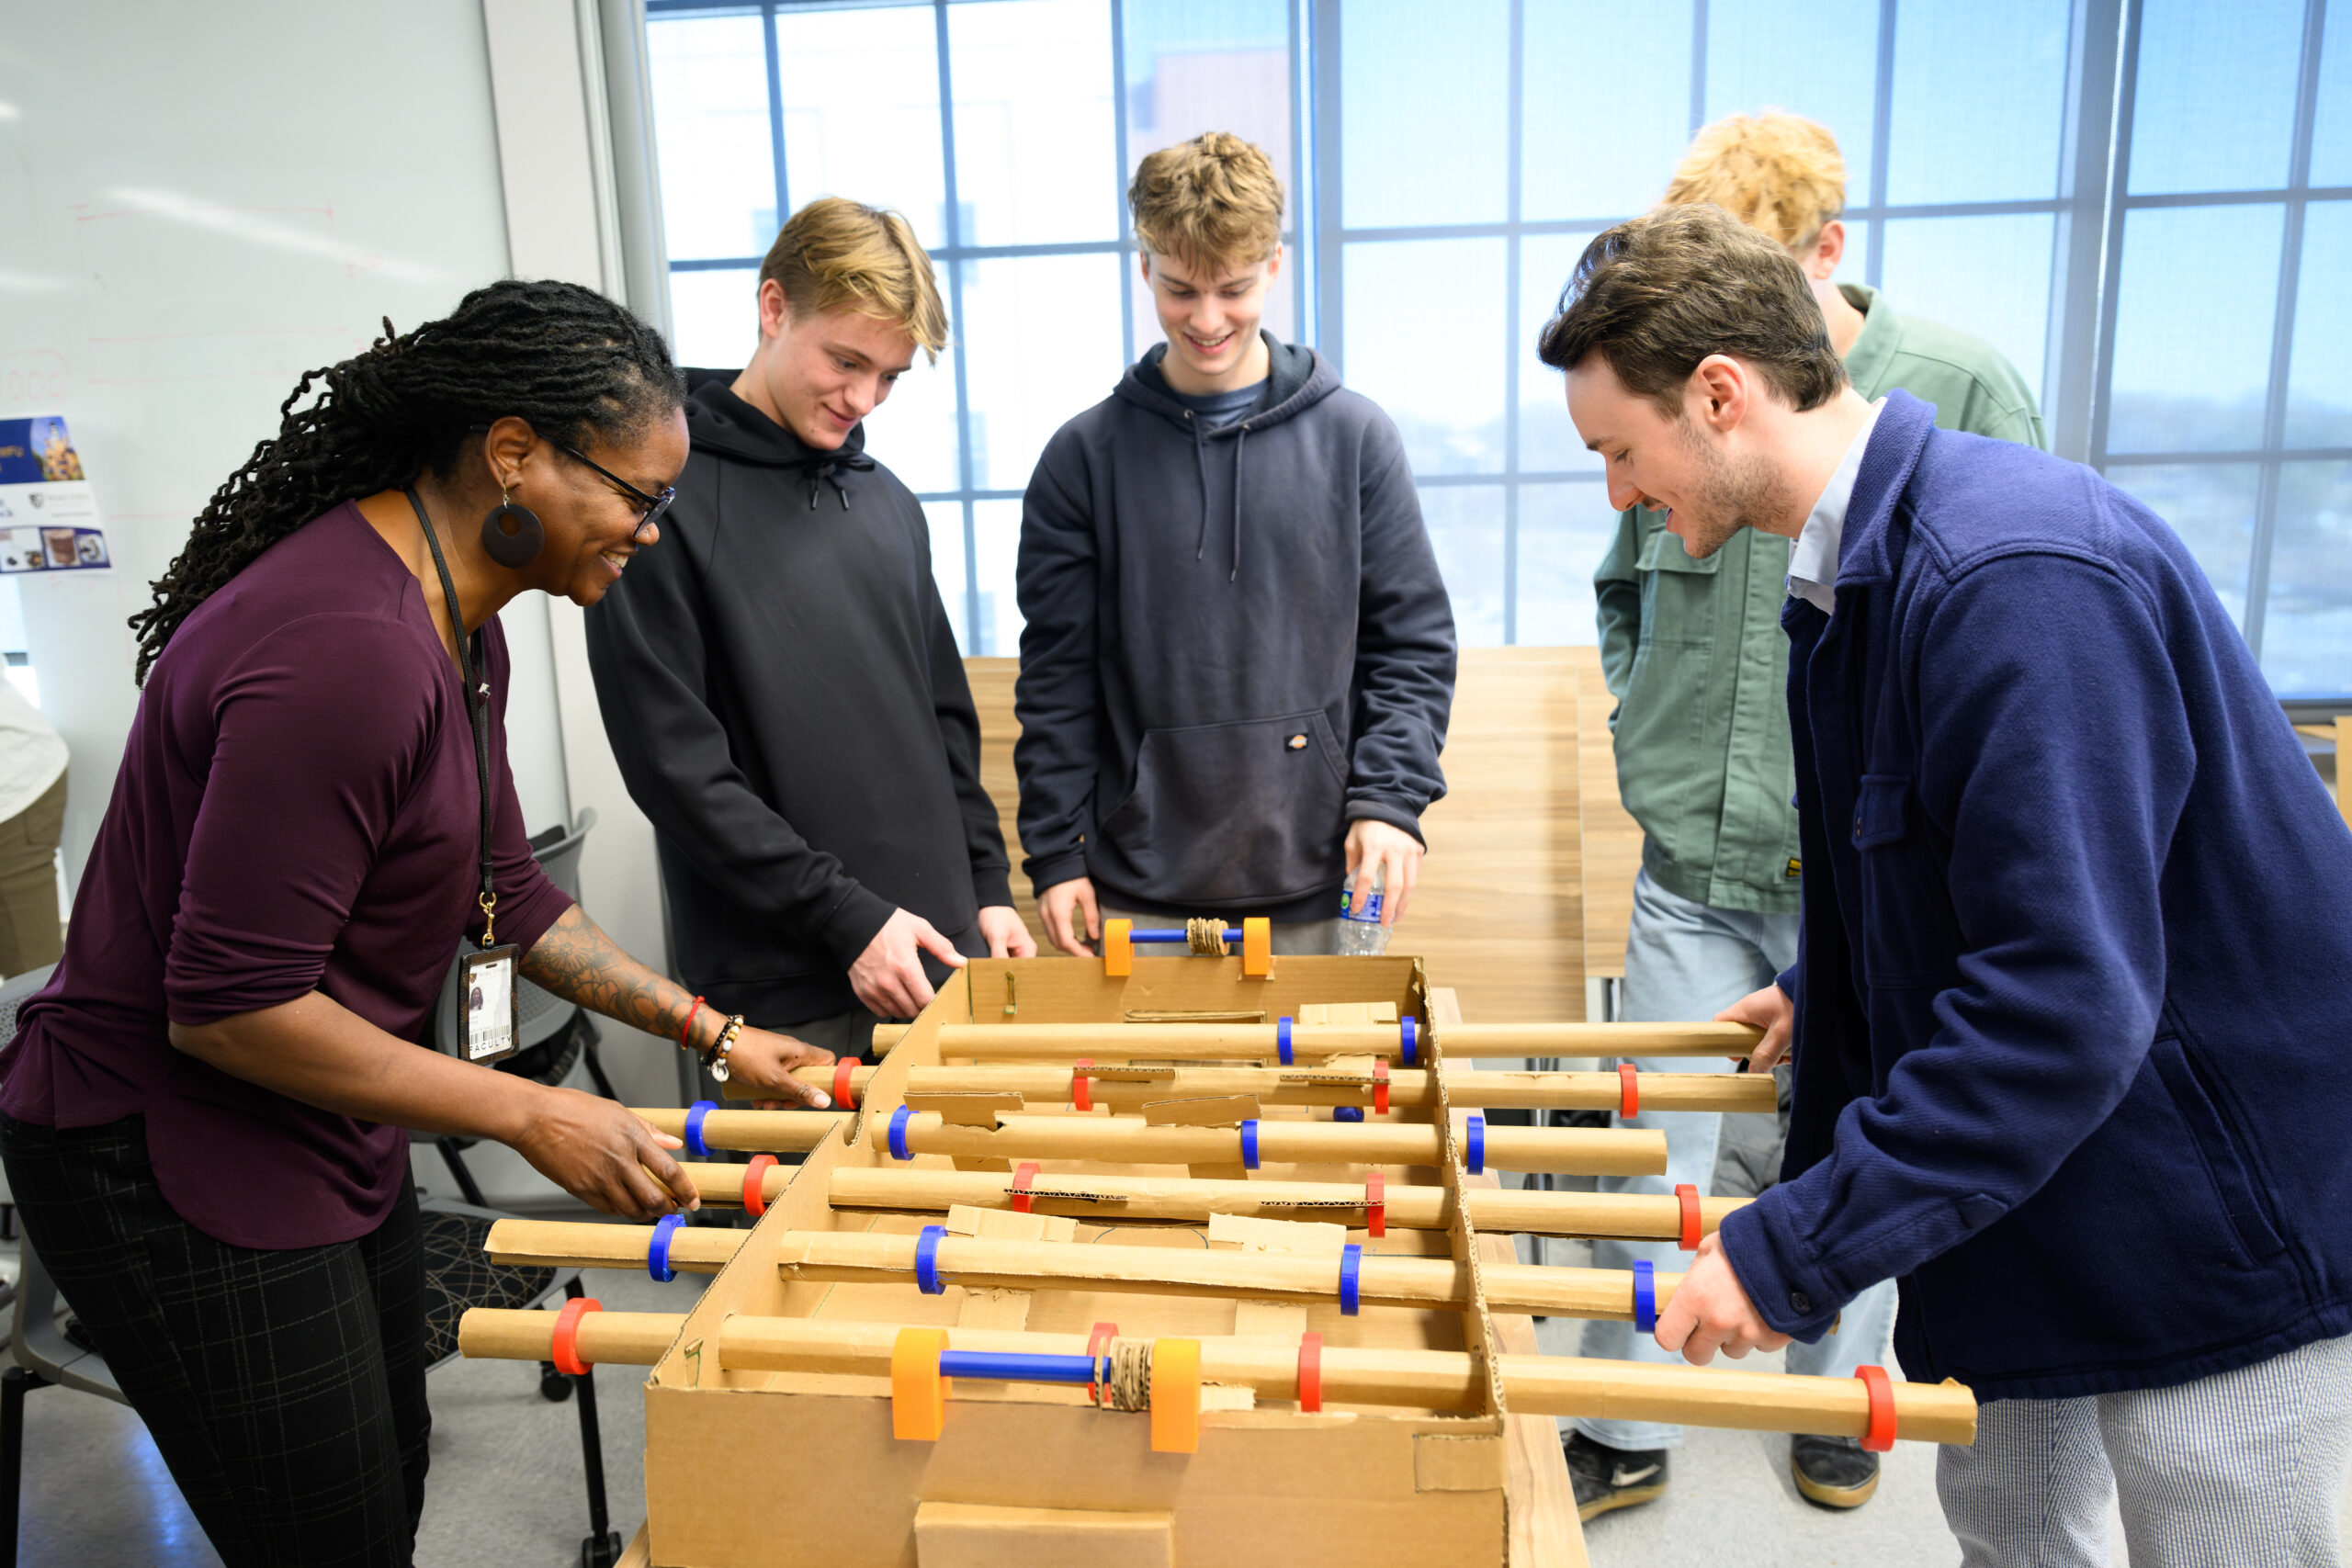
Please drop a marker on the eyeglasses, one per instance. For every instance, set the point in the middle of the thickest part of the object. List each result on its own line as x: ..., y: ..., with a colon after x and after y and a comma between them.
x: 655, y: 505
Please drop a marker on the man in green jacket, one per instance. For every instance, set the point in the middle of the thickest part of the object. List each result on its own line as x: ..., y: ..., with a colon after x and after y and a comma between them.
x: 1697, y: 660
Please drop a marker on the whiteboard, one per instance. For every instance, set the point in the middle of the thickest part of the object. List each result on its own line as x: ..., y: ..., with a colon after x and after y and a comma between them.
x: 198, y: 203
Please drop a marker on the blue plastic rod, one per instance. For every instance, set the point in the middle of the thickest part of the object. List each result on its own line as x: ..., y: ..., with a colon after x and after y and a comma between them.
x: 1012, y: 1366
x: 1232, y: 934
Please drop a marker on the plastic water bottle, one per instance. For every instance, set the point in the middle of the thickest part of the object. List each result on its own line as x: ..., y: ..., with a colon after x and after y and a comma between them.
x: 1361, y: 933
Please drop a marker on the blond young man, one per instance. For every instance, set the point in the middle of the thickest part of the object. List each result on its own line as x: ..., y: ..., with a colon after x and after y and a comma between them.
x: 1237, y: 657
x: 782, y: 687
x: 1704, y: 764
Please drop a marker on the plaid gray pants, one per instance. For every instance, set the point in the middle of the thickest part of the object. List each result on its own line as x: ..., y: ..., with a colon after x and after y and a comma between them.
x: 2239, y: 1470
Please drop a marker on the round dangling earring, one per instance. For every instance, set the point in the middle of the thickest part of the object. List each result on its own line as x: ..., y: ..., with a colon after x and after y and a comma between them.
x: 511, y: 534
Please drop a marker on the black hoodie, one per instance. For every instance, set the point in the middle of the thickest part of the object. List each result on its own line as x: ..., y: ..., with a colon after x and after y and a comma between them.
x: 1236, y: 642
x: 785, y: 701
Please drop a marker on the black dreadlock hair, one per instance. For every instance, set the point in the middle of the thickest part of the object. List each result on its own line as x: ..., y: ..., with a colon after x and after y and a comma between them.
x: 564, y: 357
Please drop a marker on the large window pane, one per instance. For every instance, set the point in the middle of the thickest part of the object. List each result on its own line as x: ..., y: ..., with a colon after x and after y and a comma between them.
x: 710, y: 115
x: 2210, y: 506
x: 1564, y: 530
x: 2332, y: 133
x: 1466, y: 525
x: 1987, y: 275
x: 1196, y: 65
x: 1042, y: 336
x: 2307, y: 624
x: 714, y: 318
x: 995, y: 549
x: 2319, y: 402
x: 1606, y: 107
x: 861, y: 110
x: 1422, y: 111
x: 1979, y: 93
x: 1824, y: 65
x: 1034, y: 162
x: 1439, y: 375
x: 945, y: 521
x: 1548, y: 443
x: 2192, y: 328
x: 913, y: 433
x: 2215, y: 105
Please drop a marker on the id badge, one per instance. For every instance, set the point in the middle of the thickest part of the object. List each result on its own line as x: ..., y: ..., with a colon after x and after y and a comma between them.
x: 487, y: 1004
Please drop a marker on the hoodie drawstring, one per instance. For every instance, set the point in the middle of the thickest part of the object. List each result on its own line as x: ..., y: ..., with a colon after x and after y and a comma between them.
x: 1201, y: 455
x: 821, y: 470
x: 1241, y: 436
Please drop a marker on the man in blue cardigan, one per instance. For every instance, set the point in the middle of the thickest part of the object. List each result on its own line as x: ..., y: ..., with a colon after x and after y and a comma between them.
x: 2076, y: 952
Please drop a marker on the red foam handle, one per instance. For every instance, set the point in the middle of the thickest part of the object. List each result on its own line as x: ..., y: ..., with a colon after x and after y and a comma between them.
x: 1380, y: 1085
x: 1628, y: 1103
x: 1881, y: 1435
x: 1310, y: 1372
x: 1376, y: 1204
x: 1022, y: 1174
x: 844, y: 1093
x: 1103, y: 1334
x: 755, y: 1202
x: 1689, y: 1197
x: 566, y: 1351
x: 1081, y: 1087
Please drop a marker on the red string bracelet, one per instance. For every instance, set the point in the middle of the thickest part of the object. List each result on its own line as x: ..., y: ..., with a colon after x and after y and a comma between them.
x: 686, y: 1030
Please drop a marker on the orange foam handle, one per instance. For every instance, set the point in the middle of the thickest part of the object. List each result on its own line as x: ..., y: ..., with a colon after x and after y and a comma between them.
x: 1380, y: 1085
x: 1376, y: 1204
x: 1022, y: 1174
x: 755, y: 1201
x: 1881, y: 1435
x: 1175, y: 1396
x: 917, y: 1393
x: 1310, y: 1374
x: 1629, y: 1104
x: 1688, y: 1196
x: 565, y: 1352
x: 1081, y: 1087
x: 1256, y: 949
x: 1118, y: 947
x: 844, y: 1092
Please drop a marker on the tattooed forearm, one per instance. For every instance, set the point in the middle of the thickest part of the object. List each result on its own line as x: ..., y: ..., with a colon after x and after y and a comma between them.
x: 579, y: 963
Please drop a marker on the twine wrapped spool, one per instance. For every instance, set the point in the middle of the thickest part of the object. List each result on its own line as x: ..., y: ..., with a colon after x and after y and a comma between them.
x: 1205, y: 936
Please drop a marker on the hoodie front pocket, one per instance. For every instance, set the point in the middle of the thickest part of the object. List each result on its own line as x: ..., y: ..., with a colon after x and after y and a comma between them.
x: 1229, y: 814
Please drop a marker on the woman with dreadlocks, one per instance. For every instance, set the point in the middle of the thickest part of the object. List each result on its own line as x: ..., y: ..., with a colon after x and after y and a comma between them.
x: 202, y: 1114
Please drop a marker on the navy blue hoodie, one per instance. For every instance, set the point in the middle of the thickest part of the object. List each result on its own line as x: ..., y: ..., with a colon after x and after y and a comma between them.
x: 2076, y: 948
x: 1236, y: 642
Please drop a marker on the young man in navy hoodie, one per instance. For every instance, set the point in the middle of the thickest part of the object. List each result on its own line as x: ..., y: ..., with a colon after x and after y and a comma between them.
x: 782, y: 688
x: 1237, y: 657
x: 2074, y: 953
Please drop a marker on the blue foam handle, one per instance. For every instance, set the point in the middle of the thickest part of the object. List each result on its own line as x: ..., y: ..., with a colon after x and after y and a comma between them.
x: 657, y: 1250
x: 899, y: 1133
x: 1404, y: 1034
x: 1281, y: 1041
x: 1350, y: 1263
x: 1645, y: 1296
x: 695, y: 1113
x: 1016, y: 1365
x: 1250, y: 1145
x: 927, y: 1261
x: 1347, y: 1113
x: 1477, y: 1160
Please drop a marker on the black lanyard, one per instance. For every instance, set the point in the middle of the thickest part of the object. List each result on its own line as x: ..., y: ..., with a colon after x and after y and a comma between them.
x: 476, y: 709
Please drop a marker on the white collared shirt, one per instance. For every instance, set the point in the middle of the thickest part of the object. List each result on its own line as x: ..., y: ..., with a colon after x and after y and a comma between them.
x: 1812, y: 564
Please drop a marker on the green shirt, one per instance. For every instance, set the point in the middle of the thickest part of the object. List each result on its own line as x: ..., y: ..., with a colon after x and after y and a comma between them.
x: 1696, y: 658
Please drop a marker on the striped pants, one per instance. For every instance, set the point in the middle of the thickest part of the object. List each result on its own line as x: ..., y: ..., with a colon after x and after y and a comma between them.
x: 2241, y: 1469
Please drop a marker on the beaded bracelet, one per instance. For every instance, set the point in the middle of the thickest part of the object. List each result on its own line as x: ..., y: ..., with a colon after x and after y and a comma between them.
x: 715, y: 1058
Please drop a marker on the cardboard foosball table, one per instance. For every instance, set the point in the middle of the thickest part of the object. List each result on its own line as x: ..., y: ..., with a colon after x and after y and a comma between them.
x: 1199, y: 1263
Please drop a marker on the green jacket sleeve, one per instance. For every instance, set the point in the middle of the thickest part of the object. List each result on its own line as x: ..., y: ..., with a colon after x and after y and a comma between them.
x: 1617, y: 592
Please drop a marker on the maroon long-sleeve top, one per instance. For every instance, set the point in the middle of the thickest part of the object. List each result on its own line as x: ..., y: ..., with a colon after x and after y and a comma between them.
x: 297, y: 811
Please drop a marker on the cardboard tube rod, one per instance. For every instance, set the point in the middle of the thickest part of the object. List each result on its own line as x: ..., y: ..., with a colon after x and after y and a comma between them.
x: 1408, y: 1087
x: 565, y: 1244
x: 1184, y: 1200
x: 1253, y: 1042
x: 1382, y: 1279
x: 1445, y: 1379
x: 1594, y: 1151
x: 755, y: 1131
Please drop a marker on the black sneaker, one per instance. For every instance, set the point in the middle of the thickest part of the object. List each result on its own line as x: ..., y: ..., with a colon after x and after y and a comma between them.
x: 1834, y: 1473
x: 1609, y: 1478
